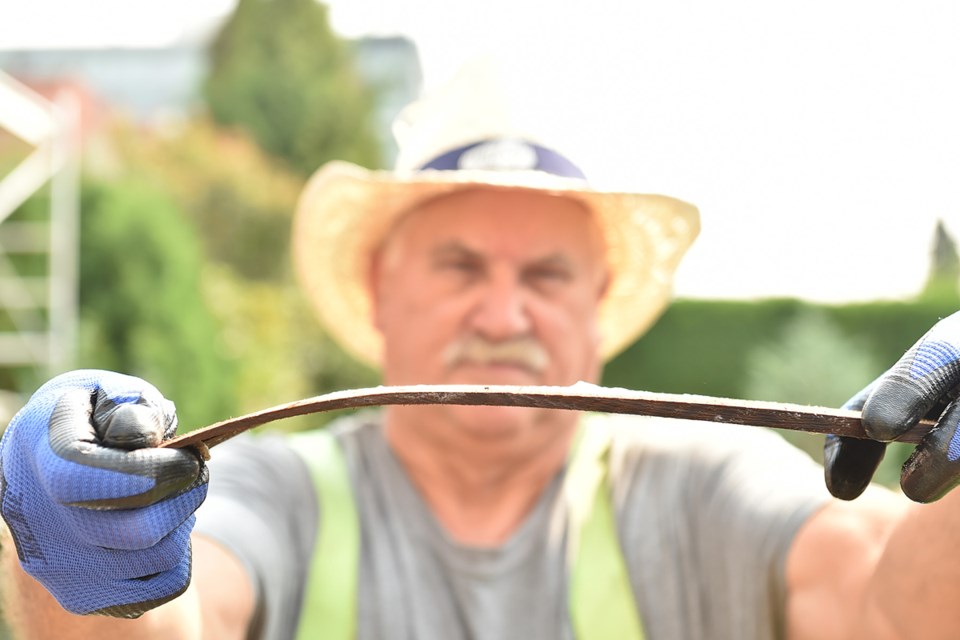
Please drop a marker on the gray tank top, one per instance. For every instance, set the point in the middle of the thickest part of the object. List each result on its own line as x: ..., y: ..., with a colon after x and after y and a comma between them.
x: 706, y: 514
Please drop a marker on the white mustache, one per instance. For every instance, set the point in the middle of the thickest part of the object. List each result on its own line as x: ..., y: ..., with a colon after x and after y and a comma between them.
x: 524, y: 352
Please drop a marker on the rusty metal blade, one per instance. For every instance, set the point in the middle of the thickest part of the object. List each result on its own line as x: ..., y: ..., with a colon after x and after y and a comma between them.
x: 578, y: 397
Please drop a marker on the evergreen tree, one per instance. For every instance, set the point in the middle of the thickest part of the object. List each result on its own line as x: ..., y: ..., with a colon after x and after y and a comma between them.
x: 944, y: 278
x: 142, y: 309
x: 279, y: 72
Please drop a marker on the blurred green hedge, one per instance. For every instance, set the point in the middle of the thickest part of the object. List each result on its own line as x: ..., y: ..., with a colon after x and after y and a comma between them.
x: 779, y: 350
x: 701, y: 346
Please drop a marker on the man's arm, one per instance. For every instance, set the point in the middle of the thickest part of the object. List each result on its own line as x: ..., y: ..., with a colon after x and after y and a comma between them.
x: 872, y: 568
x: 219, y: 604
x: 876, y: 568
x: 98, y: 519
x: 916, y: 586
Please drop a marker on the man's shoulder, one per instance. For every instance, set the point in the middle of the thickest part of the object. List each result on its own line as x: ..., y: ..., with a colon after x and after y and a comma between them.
x: 662, y: 435
x: 658, y: 451
x: 344, y: 429
x: 357, y: 428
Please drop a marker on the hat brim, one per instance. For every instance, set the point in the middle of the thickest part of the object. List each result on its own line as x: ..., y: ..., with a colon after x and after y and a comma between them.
x: 345, y: 211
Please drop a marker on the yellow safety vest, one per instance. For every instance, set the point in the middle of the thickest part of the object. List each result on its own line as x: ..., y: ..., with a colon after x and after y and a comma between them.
x: 601, y: 599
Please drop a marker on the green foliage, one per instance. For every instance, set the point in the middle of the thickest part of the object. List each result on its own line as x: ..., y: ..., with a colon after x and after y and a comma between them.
x: 25, y: 378
x: 186, y: 277
x: 281, y: 74
x: 142, y: 311
x: 283, y: 353
x: 240, y: 203
x: 811, y: 362
x: 944, y: 278
x: 239, y: 200
x: 801, y: 352
x: 703, y: 346
x: 700, y: 347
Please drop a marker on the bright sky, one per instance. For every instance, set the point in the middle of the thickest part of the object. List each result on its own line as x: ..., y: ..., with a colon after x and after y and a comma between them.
x: 820, y: 138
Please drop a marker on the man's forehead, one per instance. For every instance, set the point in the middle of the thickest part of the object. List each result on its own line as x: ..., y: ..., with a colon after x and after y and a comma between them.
x: 500, y: 213
x: 521, y: 226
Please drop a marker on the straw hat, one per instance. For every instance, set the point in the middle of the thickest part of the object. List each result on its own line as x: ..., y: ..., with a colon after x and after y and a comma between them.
x: 462, y: 137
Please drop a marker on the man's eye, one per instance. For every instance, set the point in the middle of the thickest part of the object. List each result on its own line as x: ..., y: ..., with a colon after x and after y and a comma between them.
x: 461, y: 266
x: 549, y: 275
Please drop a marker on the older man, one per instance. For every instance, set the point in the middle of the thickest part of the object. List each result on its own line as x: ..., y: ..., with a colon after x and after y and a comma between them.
x: 487, y: 261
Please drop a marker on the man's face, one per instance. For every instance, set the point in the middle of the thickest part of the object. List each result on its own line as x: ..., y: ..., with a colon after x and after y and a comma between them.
x: 491, y: 287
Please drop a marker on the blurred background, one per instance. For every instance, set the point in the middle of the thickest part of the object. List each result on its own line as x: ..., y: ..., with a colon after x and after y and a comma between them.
x: 151, y: 154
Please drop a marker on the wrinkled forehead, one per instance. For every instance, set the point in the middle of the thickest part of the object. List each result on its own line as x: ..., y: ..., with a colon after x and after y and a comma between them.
x: 499, y: 218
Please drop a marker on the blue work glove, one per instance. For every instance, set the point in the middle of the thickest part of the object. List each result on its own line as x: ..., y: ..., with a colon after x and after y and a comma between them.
x: 99, y: 515
x: 924, y: 383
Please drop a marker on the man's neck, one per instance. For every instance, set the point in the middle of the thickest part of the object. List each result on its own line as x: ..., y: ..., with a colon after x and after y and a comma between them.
x: 479, y: 484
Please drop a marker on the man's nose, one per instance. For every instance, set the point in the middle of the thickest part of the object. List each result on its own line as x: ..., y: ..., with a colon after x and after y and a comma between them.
x: 502, y: 310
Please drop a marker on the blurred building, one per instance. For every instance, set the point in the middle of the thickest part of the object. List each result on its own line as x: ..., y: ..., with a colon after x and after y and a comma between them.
x: 392, y: 65
x: 146, y: 84
x: 153, y: 86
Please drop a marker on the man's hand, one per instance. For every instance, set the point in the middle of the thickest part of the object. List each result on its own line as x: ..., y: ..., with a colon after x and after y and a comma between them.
x: 100, y: 516
x: 925, y: 382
